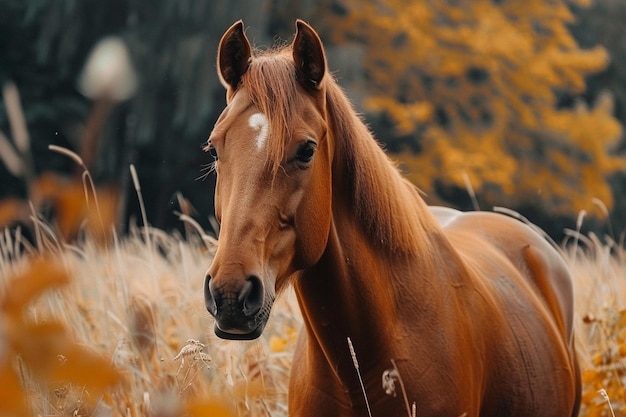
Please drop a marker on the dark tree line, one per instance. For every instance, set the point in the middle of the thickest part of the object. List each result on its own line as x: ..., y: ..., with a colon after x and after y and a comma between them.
x: 172, y: 44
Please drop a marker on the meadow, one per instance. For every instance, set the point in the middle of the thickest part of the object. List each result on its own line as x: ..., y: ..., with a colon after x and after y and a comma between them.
x: 118, y: 327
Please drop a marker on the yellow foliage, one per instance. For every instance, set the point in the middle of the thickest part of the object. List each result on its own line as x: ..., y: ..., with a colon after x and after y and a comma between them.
x: 42, y: 349
x: 605, y: 380
x: 279, y: 343
x: 40, y: 277
x: 407, y: 116
x: 12, y: 210
x: 475, y: 83
x: 208, y: 408
x: 76, y: 202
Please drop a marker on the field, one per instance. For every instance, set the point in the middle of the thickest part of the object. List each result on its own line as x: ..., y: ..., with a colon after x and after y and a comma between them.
x: 118, y: 327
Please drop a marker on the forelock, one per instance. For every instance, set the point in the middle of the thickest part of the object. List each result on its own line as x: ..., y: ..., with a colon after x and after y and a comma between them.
x: 272, y: 86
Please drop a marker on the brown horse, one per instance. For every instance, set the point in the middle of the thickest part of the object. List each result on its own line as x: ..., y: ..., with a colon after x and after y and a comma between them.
x: 475, y: 309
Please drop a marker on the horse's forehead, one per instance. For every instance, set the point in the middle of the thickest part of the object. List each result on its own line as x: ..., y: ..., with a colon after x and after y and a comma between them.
x: 241, y: 115
x: 238, y: 105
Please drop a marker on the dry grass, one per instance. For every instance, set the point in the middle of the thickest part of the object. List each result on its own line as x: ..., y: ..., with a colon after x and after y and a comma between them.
x: 117, y: 327
x: 141, y: 307
x: 600, y: 288
x: 130, y: 329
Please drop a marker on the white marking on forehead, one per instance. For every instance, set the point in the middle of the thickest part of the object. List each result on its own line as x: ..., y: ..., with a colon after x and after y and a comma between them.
x: 258, y: 121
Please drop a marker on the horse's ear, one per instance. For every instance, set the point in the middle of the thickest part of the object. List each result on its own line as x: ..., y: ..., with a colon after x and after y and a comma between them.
x: 233, y: 55
x: 309, y: 56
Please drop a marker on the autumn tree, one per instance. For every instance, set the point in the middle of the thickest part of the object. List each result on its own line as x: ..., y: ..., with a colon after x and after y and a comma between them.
x: 486, y: 92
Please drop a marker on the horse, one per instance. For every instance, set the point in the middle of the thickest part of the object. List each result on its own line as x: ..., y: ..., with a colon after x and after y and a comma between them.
x: 474, y: 310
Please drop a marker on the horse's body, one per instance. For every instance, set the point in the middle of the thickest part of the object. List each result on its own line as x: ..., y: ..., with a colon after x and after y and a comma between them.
x: 474, y: 308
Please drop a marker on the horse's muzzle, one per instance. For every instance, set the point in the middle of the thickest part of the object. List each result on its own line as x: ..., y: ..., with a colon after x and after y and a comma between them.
x: 241, y: 311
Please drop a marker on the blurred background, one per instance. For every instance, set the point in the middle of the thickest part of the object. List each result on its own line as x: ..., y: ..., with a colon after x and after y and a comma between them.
x: 511, y: 103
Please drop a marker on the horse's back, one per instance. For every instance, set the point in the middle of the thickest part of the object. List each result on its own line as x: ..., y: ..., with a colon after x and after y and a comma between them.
x: 527, y: 276
x: 535, y: 258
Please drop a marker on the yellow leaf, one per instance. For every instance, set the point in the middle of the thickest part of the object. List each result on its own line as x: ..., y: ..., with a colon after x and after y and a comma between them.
x: 12, y: 399
x: 11, y: 210
x: 41, y: 276
x: 208, y: 408
x: 277, y: 344
x: 85, y: 367
x: 589, y: 376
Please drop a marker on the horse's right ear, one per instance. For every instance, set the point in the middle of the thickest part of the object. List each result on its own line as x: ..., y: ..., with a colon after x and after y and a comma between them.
x: 233, y: 56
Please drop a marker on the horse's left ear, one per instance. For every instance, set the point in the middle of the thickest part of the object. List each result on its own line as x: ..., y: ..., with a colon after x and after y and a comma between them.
x: 309, y: 56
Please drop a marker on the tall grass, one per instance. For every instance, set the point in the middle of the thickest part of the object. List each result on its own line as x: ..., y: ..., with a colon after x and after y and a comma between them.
x: 599, y: 270
x: 141, y: 306
x: 138, y: 304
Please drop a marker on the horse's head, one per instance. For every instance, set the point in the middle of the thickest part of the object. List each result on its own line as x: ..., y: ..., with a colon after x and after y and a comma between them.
x: 273, y: 162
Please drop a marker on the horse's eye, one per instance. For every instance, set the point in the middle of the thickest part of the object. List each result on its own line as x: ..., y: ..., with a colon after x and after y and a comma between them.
x: 212, y: 151
x: 305, y: 152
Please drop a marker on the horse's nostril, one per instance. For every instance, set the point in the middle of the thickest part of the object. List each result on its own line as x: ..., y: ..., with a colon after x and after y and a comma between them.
x: 251, y: 296
x: 209, y: 299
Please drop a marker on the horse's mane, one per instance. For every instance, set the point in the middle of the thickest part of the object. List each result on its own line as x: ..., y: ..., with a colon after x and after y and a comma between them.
x: 385, y: 201
x: 386, y: 204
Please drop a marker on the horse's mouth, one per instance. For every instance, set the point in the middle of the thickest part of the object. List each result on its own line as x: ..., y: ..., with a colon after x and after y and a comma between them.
x: 234, y: 334
x: 234, y: 322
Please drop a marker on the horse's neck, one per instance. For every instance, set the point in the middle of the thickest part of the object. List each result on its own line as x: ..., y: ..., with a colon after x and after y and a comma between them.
x: 355, y: 292
x: 358, y: 286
